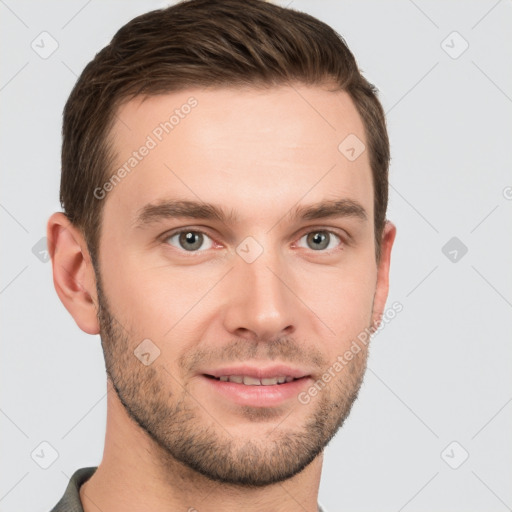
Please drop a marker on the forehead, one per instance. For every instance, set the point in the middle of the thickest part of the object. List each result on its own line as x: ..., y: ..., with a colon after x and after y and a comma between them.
x: 244, y: 148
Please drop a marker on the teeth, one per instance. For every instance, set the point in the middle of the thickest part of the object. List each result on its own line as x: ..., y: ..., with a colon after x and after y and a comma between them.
x: 252, y: 381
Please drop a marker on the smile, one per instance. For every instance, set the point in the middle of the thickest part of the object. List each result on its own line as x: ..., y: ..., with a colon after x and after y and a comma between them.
x: 270, y: 390
x: 254, y: 381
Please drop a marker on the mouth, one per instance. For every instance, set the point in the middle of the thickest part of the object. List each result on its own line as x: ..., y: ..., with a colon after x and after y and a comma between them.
x: 248, y: 380
x: 255, y: 387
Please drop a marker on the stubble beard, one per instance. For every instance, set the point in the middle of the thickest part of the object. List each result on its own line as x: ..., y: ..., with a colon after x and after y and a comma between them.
x: 184, y: 432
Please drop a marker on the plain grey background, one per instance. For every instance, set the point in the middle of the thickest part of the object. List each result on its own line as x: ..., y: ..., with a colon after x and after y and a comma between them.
x: 431, y: 428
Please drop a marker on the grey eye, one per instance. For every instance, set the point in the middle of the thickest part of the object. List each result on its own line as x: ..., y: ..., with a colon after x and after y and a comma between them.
x: 190, y: 241
x: 321, y: 240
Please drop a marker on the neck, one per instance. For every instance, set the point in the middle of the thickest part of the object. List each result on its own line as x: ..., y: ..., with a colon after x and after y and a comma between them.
x: 135, y: 475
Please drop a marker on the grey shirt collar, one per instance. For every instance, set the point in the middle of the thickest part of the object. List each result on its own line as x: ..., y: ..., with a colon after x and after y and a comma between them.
x: 70, y: 501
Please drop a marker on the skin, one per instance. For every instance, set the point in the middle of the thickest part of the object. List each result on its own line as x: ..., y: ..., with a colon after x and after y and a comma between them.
x: 259, y: 154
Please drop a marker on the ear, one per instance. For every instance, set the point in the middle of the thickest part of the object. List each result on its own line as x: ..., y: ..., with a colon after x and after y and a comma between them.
x: 382, y: 288
x: 73, y: 273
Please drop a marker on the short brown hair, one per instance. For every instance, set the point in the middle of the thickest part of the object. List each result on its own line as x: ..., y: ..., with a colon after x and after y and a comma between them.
x: 205, y: 43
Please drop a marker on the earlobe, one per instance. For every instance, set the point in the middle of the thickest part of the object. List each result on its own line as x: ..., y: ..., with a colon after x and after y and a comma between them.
x: 382, y: 287
x: 73, y: 273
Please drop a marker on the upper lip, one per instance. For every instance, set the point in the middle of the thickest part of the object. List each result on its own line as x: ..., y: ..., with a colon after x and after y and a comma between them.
x: 259, y: 372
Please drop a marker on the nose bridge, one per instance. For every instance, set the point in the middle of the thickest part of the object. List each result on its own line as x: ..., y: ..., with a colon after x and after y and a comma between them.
x: 260, y: 301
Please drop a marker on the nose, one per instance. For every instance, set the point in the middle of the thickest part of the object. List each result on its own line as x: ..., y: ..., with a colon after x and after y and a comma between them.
x: 260, y: 303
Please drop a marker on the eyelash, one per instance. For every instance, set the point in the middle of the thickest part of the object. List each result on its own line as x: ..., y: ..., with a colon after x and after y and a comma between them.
x: 343, y: 242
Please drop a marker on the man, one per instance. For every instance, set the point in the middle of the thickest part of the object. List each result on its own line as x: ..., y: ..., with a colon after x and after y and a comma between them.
x: 224, y: 185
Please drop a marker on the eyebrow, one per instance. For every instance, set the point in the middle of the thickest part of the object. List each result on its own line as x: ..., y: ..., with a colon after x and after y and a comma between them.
x: 170, y: 209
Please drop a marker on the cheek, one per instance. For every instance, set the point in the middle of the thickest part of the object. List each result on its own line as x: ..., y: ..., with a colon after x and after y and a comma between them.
x: 342, y: 298
x: 151, y: 297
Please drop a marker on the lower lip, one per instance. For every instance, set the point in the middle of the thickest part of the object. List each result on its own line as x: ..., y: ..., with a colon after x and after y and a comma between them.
x: 258, y: 396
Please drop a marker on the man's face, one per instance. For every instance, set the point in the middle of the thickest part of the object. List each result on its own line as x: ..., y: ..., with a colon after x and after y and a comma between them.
x: 260, y: 294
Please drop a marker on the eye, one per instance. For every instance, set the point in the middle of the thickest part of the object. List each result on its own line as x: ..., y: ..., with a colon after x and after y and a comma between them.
x: 320, y: 240
x: 190, y: 241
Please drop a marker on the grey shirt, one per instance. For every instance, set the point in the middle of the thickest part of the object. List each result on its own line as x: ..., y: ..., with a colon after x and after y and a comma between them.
x: 70, y: 502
